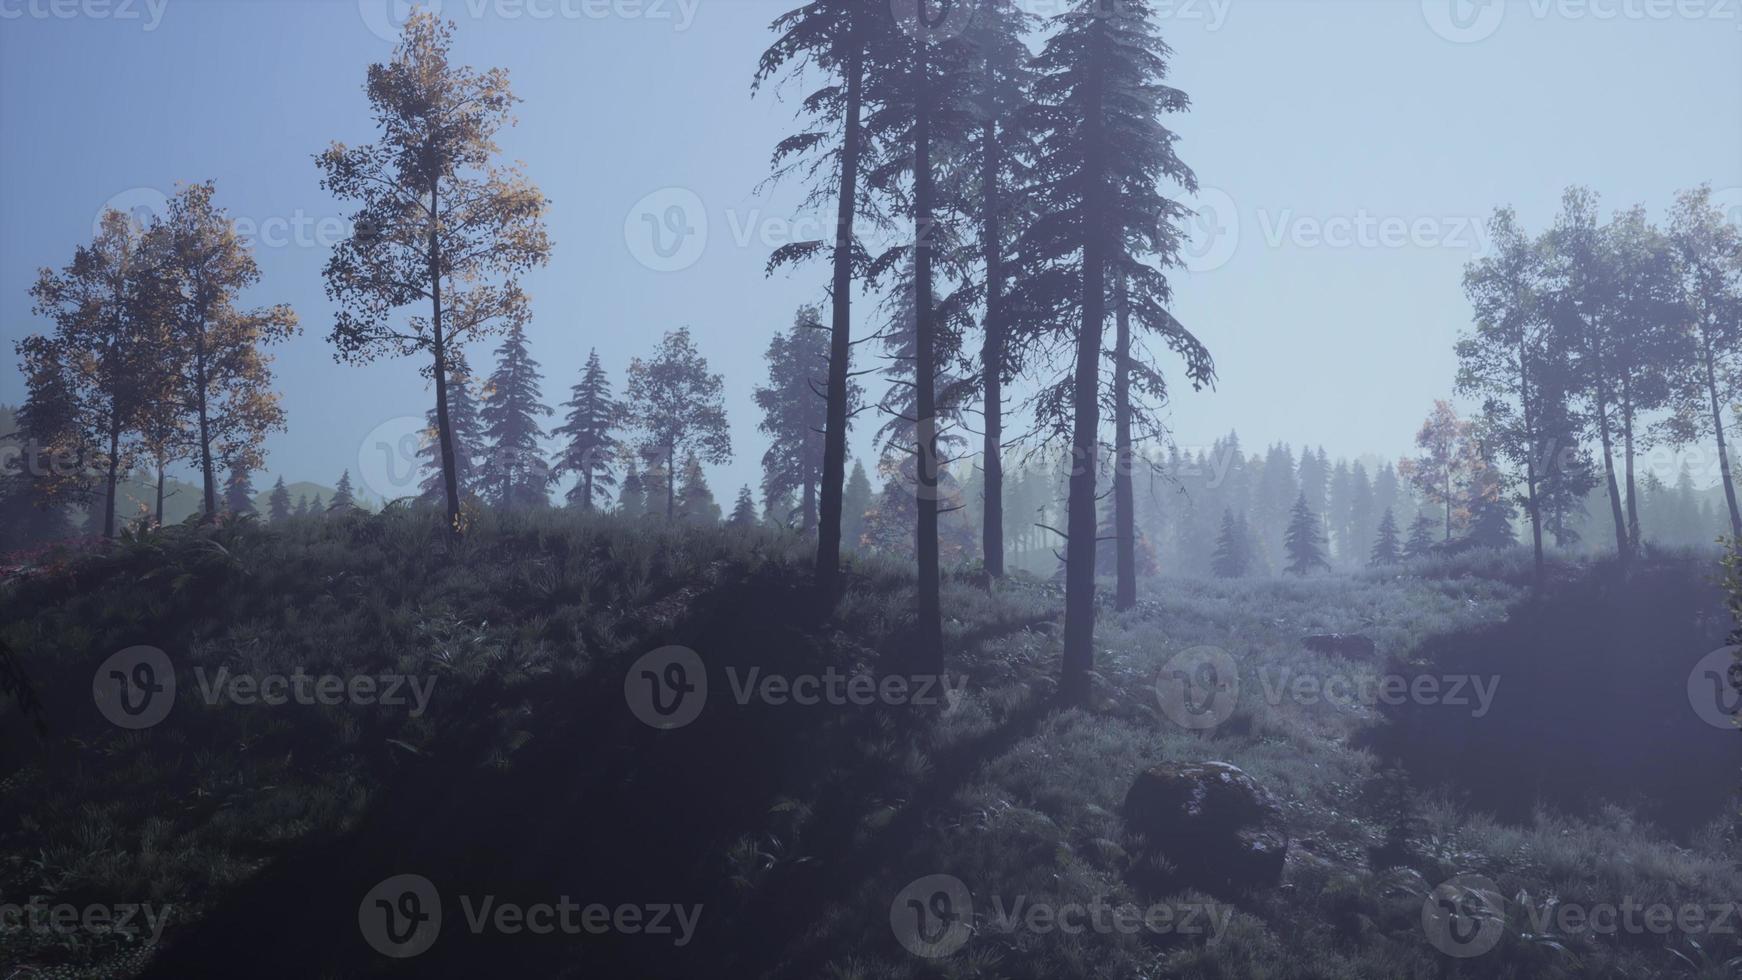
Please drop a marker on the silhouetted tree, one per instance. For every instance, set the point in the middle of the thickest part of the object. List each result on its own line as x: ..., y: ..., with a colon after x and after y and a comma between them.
x: 1231, y: 559
x: 591, y: 449
x: 631, y: 496
x: 1385, y: 546
x: 695, y: 500
x: 1708, y: 252
x: 678, y: 408
x: 1421, y: 537
x: 343, y: 499
x: 1102, y: 154
x: 795, y: 411
x: 301, y: 506
x: 838, y: 38
x: 440, y: 221
x: 465, y: 431
x: 278, y: 505
x: 854, y: 506
x: 225, y: 376
x: 239, y: 490
x: 744, y: 511
x: 1304, y: 541
x: 1001, y: 94
x: 514, y: 474
x: 99, y: 348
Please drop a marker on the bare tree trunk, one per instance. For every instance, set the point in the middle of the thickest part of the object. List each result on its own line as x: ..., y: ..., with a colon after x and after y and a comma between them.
x: 1621, y: 540
x: 444, y: 427
x: 1124, y: 514
x: 1080, y: 525
x: 1718, y: 428
x: 840, y: 337
x: 670, y: 481
x: 114, y: 467
x: 992, y: 348
x: 1530, y: 438
x: 208, y: 473
x: 929, y: 633
x: 1627, y: 461
x: 159, y: 493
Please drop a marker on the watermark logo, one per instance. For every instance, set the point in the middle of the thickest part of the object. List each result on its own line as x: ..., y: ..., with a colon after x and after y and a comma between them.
x: 135, y: 688
x: 932, y: 21
x: 667, y: 230
x: 667, y: 688
x: 1464, y: 21
x: 39, y: 918
x: 391, y: 457
x: 386, y: 18
x: 401, y: 917
x: 1715, y: 687
x: 1212, y: 231
x: 150, y: 12
x: 1198, y: 688
x: 933, y: 917
x: 1465, y: 916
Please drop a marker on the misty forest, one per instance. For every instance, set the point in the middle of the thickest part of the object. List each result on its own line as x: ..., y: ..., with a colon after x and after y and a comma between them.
x: 954, y: 589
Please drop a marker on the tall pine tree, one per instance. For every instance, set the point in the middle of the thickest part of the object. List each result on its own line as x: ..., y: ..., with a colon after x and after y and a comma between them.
x: 591, y: 449
x: 514, y: 474
x: 1102, y: 155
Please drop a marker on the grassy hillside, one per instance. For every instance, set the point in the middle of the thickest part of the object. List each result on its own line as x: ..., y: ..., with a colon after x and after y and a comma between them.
x: 529, y: 776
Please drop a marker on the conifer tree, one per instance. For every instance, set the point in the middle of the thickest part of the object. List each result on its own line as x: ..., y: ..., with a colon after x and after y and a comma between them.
x: 278, y: 505
x: 744, y: 511
x: 301, y: 505
x: 795, y: 411
x: 695, y: 501
x: 1304, y: 541
x: 855, y: 504
x: 343, y: 500
x: 631, y: 496
x: 1421, y: 537
x: 1230, y: 559
x: 1385, y: 547
x: 514, y: 474
x: 465, y: 431
x: 840, y: 38
x: 1101, y: 157
x: 319, y: 507
x: 591, y: 449
x: 239, y: 490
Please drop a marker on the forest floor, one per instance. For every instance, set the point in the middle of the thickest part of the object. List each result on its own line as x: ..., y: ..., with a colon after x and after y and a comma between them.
x: 1548, y: 762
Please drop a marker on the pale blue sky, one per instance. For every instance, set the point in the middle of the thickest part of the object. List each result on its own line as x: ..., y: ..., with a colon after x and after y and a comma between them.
x: 1310, y: 120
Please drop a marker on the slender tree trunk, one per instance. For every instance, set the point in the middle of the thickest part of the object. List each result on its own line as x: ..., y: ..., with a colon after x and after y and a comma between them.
x: 444, y: 426
x: 929, y: 636
x: 1621, y: 540
x: 840, y: 336
x: 1627, y: 461
x: 208, y: 473
x: 587, y: 491
x: 1080, y: 525
x: 159, y: 493
x: 114, y: 471
x: 1718, y: 428
x: 1124, y: 513
x: 1530, y: 437
x: 992, y: 348
x: 670, y: 481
